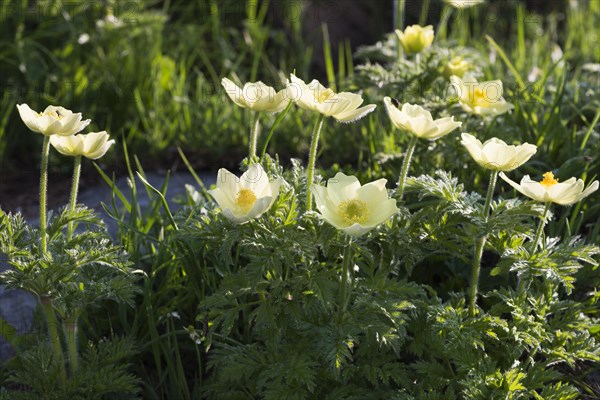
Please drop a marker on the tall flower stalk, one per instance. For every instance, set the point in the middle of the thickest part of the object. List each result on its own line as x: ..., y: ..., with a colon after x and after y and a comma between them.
x: 406, y: 165
x: 43, y: 195
x: 253, y: 137
x: 73, y: 197
x: 48, y: 308
x: 476, y: 267
x: 312, y: 158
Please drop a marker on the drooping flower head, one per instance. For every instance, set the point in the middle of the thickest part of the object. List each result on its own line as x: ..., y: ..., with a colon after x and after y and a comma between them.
x: 343, y: 106
x: 496, y: 155
x: 256, y: 96
x: 415, y: 38
x: 352, y: 208
x: 484, y: 99
x: 52, y: 121
x: 246, y: 197
x: 93, y: 145
x: 418, y: 121
x: 550, y: 190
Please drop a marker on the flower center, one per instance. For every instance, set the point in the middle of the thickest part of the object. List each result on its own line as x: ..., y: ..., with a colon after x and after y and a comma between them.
x: 326, y: 95
x: 480, y: 97
x: 245, y: 200
x: 549, y: 180
x: 51, y: 113
x: 353, y: 211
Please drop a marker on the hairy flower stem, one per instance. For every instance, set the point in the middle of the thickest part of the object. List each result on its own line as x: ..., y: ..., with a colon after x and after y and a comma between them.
x: 312, y: 157
x: 71, y: 335
x: 43, y: 194
x: 479, y: 247
x: 253, y: 137
x: 540, y: 228
x: 74, y: 190
x: 406, y: 166
x: 346, y: 271
x: 53, y: 333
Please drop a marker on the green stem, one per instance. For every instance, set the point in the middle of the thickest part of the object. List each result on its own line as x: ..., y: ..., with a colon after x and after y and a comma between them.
x: 43, y: 194
x: 399, y: 22
x: 540, y: 228
x: 74, y: 190
x: 312, y: 157
x: 346, y: 271
x: 406, y: 165
x: 253, y: 137
x: 475, y: 269
x: 71, y: 334
x: 53, y: 333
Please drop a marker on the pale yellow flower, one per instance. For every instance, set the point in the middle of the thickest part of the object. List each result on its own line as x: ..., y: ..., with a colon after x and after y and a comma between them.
x: 52, y: 121
x: 343, y: 106
x: 256, y: 96
x: 251, y: 195
x: 456, y: 66
x: 549, y: 190
x: 496, y: 155
x: 352, y: 208
x: 418, y: 121
x: 93, y: 145
x: 415, y: 38
x: 483, y: 98
x: 464, y: 3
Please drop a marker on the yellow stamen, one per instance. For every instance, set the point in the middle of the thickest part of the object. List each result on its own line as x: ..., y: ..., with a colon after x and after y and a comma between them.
x: 326, y: 95
x: 53, y: 114
x: 480, y: 97
x: 245, y: 200
x: 549, y: 179
x: 353, y: 211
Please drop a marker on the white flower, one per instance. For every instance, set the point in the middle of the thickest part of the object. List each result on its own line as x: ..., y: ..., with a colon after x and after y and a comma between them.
x: 464, y: 3
x: 93, y: 145
x: 256, y: 96
x: 483, y: 98
x: 247, y: 197
x: 52, y: 121
x: 495, y: 154
x: 550, y: 190
x: 415, y: 38
x: 342, y: 106
x: 353, y: 208
x: 418, y: 121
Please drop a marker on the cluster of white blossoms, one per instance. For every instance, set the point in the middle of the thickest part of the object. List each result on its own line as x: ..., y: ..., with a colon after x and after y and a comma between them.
x: 62, y: 126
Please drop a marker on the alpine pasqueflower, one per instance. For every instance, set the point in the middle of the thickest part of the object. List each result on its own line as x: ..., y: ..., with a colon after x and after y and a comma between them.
x: 53, y: 120
x: 415, y: 38
x: 549, y: 190
x: 352, y: 208
x: 92, y: 145
x: 247, y: 197
x: 256, y: 96
x: 418, y: 121
x: 481, y: 98
x: 343, y: 106
x: 496, y: 155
